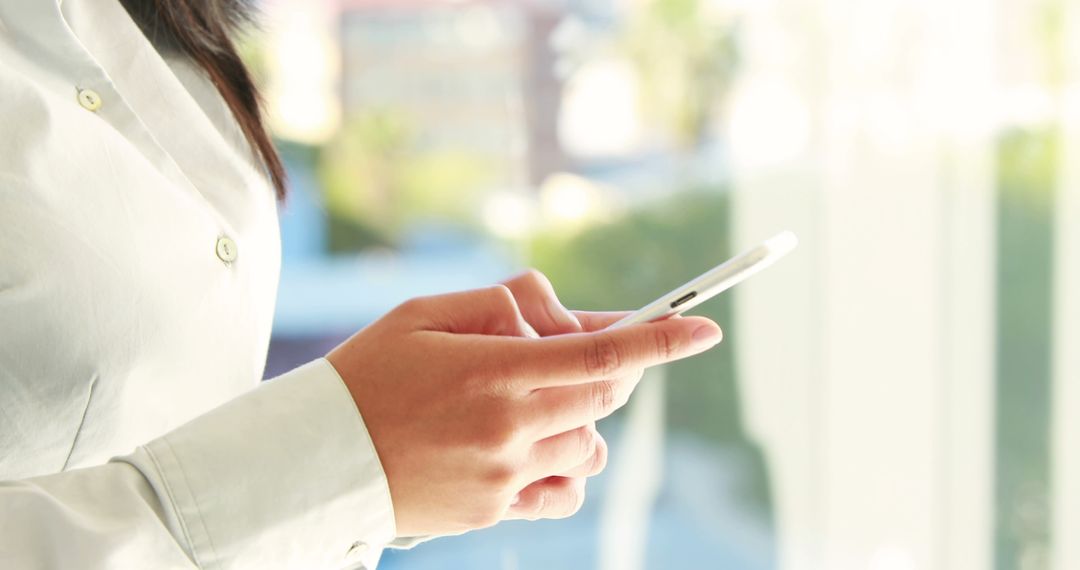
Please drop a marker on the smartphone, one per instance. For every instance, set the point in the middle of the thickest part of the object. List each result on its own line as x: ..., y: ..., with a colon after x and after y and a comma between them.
x: 713, y: 282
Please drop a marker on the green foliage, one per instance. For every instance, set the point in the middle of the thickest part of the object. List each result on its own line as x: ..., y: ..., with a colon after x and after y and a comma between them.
x: 650, y: 250
x: 377, y: 180
x: 1027, y: 176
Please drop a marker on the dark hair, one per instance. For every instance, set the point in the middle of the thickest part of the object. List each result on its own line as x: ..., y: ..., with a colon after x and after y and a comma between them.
x: 203, y: 31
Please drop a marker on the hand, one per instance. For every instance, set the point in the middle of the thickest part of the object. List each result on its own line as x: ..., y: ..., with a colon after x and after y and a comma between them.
x: 466, y: 411
x: 542, y: 310
x: 568, y: 487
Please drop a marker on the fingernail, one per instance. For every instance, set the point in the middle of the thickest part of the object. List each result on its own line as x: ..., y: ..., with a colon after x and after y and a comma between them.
x: 528, y: 330
x: 707, y: 334
x: 565, y: 317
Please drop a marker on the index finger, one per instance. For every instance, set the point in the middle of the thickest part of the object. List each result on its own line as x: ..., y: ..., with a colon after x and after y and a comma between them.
x: 589, y: 357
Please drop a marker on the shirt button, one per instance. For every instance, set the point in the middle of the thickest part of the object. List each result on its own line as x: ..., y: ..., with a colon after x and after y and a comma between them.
x: 89, y: 99
x: 226, y: 249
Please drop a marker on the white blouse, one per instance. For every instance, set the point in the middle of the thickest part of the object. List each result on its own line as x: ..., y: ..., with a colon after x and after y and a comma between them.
x: 139, y: 258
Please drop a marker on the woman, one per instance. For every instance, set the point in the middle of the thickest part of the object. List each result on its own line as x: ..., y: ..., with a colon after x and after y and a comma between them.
x: 138, y: 265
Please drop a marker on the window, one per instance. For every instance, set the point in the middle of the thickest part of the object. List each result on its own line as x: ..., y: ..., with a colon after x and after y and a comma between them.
x: 896, y: 395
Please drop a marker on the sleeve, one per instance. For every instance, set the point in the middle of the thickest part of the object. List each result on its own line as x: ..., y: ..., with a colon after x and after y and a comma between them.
x: 285, y: 476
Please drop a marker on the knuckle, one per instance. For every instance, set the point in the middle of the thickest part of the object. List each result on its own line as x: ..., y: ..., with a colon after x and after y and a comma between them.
x: 579, y: 501
x: 586, y: 442
x: 538, y: 506
x: 554, y: 501
x: 605, y: 397
x: 573, y: 500
x: 502, y: 299
x: 504, y: 439
x: 667, y: 346
x: 602, y: 357
x: 536, y: 277
x: 599, y: 459
x: 413, y: 306
x: 501, y: 294
x: 501, y: 475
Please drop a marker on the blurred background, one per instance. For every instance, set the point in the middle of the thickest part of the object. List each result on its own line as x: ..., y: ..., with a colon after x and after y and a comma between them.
x: 899, y: 394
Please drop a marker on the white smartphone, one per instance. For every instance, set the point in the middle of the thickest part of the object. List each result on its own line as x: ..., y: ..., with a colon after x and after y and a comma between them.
x: 715, y: 281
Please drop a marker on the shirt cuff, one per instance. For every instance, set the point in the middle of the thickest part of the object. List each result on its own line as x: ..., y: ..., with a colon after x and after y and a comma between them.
x: 283, y: 477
